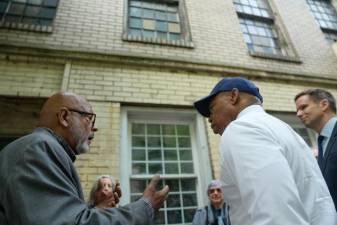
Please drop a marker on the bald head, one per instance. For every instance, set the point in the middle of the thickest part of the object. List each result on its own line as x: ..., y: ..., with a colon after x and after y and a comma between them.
x: 70, y: 116
x: 51, y: 108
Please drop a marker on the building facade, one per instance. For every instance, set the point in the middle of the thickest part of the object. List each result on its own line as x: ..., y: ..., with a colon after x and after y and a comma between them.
x: 142, y: 64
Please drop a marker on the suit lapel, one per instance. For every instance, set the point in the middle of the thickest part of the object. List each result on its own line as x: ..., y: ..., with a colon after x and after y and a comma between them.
x: 329, y: 148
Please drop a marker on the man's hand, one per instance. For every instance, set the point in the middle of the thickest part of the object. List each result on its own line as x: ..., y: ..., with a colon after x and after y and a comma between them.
x: 105, y: 198
x: 117, y: 193
x: 156, y: 198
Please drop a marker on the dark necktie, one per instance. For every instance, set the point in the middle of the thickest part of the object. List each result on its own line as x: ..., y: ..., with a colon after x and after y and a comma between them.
x: 320, y: 150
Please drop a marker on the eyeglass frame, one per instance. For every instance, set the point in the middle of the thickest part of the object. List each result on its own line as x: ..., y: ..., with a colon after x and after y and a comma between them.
x: 85, y: 114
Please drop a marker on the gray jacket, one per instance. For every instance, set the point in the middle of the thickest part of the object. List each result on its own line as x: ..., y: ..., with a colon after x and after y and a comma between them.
x: 205, y: 216
x: 39, y: 186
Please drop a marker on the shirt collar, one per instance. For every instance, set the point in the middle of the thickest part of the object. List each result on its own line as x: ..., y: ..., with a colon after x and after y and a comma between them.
x: 62, y: 142
x: 249, y: 109
x: 328, y: 127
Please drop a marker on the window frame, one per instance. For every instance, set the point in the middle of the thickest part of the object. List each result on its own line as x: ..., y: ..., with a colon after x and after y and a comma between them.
x: 328, y: 32
x: 200, y: 152
x: 186, y: 37
x: 289, y: 53
x: 292, y: 120
x: 29, y: 26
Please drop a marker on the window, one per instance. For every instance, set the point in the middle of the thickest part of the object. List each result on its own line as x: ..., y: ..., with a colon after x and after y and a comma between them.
x: 307, y: 134
x: 171, y: 148
x: 161, y: 22
x: 325, y: 15
x: 28, y: 14
x: 259, y: 30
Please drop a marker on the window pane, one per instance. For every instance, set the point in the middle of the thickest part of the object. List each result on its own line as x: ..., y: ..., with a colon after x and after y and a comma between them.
x: 13, y: 18
x: 171, y: 168
x: 138, y: 186
x: 173, y: 200
x: 135, y: 23
x: 161, y: 26
x: 148, y: 34
x: 184, y: 142
x: 135, y: 12
x: 173, y: 184
x: 170, y: 155
x: 138, y: 128
x: 174, y: 36
x: 172, y: 17
x: 153, y: 129
x: 138, y: 155
x: 135, y: 32
x: 32, y: 11
x: 160, y: 15
x: 190, y: 199
x: 45, y: 22
x: 155, y: 168
x: 35, y: 2
x: 183, y: 130
x: 170, y: 142
x: 3, y: 6
x: 186, y: 167
x: 148, y: 13
x: 189, y: 214
x: 169, y: 130
x: 162, y: 35
x: 52, y: 3
x: 188, y: 184
x: 154, y: 141
x: 159, y: 217
x: 47, y: 13
x: 138, y: 168
x: 155, y: 155
x: 174, y: 216
x: 138, y: 141
x: 185, y: 154
x: 16, y: 9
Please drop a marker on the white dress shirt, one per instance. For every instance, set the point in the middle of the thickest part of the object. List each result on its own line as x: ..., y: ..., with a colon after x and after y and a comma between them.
x: 270, y: 175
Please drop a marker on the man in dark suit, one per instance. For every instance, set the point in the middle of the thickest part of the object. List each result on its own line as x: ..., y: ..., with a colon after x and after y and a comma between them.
x: 316, y: 108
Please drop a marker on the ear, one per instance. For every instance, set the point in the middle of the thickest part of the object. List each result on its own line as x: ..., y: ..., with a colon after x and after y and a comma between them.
x: 62, y: 117
x: 235, y: 93
x: 324, y: 104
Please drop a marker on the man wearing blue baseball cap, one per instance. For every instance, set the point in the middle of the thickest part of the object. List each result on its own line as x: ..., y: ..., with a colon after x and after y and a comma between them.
x: 268, y: 172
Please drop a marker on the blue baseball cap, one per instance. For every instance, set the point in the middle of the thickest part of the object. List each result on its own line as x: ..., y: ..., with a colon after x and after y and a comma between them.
x: 227, y: 84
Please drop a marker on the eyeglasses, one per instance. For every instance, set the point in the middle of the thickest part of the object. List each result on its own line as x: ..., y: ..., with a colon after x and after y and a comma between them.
x: 90, y: 116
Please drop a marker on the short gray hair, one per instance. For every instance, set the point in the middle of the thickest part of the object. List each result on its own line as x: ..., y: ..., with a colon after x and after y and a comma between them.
x: 94, y: 187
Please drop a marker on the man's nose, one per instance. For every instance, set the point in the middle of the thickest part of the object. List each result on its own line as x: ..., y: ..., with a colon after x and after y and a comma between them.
x: 299, y: 113
x: 94, y: 129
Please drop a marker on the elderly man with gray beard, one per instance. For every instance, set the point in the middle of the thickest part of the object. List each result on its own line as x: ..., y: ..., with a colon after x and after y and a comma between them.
x: 39, y: 183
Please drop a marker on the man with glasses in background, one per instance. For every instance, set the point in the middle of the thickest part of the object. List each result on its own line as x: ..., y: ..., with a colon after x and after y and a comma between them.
x: 39, y: 183
x: 216, y: 212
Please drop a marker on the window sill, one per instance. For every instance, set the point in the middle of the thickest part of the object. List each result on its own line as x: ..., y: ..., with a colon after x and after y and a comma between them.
x: 177, y: 43
x: 29, y: 27
x: 292, y: 59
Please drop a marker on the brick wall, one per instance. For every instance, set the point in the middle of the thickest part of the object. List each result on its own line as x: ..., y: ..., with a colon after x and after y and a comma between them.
x: 29, y: 79
x: 97, y: 26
